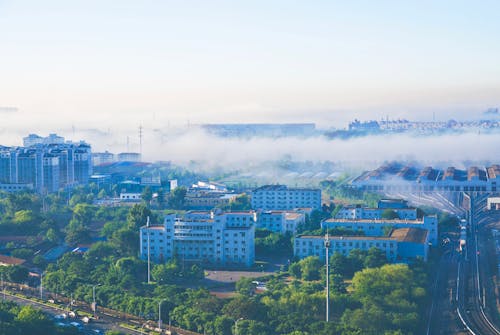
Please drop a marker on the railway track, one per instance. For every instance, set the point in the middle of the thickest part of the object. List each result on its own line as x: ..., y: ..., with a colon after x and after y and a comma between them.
x: 471, y: 306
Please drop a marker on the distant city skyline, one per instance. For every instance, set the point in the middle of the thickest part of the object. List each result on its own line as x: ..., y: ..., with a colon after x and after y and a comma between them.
x: 120, y: 64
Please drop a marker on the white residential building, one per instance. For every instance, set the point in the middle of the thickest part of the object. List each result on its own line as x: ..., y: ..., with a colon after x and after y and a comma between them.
x: 280, y: 221
x: 224, y: 239
x: 358, y: 212
x: 293, y: 220
x: 280, y: 197
x: 99, y: 158
x: 378, y: 227
x: 402, y: 245
x: 129, y: 157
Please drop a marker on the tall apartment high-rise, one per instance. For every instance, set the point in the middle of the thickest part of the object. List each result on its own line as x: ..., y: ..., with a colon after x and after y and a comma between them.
x: 46, y: 164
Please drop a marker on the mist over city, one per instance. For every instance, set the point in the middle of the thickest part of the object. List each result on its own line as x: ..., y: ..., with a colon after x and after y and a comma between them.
x: 249, y: 167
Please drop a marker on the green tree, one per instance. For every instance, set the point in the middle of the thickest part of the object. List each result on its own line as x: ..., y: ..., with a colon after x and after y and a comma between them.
x: 138, y: 216
x: 23, y: 253
x: 51, y: 235
x: 389, y: 214
x: 241, y: 203
x: 375, y: 258
x: 223, y: 325
x: 160, y: 197
x: 33, y: 321
x: 390, y: 297
x: 295, y: 270
x: 77, y: 234
x: 176, y: 198
x: 339, y: 264
x: 83, y: 213
x: 244, y: 307
x: 17, y: 274
x: 245, y: 286
x: 126, y: 241
x: 147, y: 195
x: 24, y: 217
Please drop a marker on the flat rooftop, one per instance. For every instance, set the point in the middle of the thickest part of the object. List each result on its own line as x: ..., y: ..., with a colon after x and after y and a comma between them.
x: 283, y: 188
x: 379, y: 221
x: 412, y: 235
x: 8, y: 260
x: 349, y: 238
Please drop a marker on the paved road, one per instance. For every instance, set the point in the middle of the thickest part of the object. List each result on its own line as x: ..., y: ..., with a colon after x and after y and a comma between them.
x: 103, y: 324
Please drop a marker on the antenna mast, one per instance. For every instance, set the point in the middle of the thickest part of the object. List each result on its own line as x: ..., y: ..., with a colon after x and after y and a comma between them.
x: 140, y: 140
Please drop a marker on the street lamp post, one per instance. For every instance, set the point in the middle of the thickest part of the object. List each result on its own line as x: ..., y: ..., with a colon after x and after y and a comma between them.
x: 327, y: 246
x: 159, y: 313
x: 94, y: 304
x: 149, y: 252
x: 236, y: 325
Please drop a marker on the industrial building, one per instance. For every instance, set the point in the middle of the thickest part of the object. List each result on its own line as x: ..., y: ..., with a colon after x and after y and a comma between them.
x: 395, y: 177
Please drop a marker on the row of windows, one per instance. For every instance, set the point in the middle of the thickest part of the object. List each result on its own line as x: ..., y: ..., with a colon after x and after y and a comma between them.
x: 356, y: 244
x: 235, y: 250
x: 235, y: 242
x: 344, y: 252
x: 181, y: 226
x: 198, y: 253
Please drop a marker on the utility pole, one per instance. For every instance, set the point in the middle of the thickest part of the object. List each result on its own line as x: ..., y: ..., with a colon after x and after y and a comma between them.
x: 149, y: 252
x: 327, y: 246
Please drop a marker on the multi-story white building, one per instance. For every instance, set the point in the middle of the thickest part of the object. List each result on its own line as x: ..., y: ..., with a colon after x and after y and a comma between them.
x: 280, y: 197
x: 293, y: 220
x: 133, y: 197
x: 378, y: 227
x: 99, y: 158
x: 208, y: 195
x: 400, y: 207
x: 402, y: 244
x: 34, y: 139
x: 280, y: 221
x: 207, y: 200
x: 129, y: 157
x: 223, y: 239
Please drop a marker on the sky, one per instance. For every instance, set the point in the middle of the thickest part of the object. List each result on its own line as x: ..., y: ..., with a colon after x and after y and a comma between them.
x: 112, y: 65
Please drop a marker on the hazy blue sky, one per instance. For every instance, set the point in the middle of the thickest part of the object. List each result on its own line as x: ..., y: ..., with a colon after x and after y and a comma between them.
x: 151, y: 62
